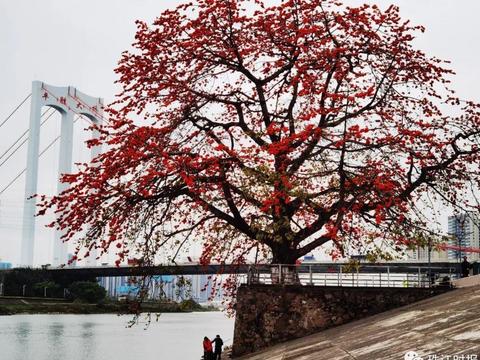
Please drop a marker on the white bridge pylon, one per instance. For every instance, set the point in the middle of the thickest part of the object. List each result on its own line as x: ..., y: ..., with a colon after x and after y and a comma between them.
x: 69, y: 102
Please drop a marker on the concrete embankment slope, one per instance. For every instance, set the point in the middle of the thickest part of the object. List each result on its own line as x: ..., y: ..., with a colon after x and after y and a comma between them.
x: 445, y: 325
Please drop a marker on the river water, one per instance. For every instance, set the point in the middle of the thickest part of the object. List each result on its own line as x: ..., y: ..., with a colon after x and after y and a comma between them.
x: 106, y: 337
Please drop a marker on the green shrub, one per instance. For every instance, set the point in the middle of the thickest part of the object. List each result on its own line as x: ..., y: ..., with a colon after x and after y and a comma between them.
x: 21, y: 281
x: 190, y: 305
x: 52, y: 289
x: 87, y: 291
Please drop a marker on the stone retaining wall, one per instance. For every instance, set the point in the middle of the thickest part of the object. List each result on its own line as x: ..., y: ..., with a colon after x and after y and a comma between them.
x: 270, y: 314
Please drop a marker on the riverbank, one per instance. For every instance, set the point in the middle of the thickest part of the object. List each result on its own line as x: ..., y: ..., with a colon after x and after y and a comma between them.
x: 22, y: 305
x: 175, y: 336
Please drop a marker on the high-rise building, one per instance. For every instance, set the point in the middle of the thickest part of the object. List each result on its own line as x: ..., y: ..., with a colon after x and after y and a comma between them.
x: 421, y: 254
x: 201, y: 288
x: 464, y: 232
x: 168, y: 287
x: 113, y: 285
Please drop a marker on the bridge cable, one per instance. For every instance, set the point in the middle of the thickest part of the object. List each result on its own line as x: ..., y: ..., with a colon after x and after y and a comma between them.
x: 41, y: 153
x: 15, y: 110
x: 23, y: 142
x: 25, y: 133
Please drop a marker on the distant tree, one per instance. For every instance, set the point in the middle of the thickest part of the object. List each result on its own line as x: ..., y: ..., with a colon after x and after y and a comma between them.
x: 21, y: 281
x: 48, y: 289
x: 190, y: 305
x: 87, y: 291
x: 283, y: 128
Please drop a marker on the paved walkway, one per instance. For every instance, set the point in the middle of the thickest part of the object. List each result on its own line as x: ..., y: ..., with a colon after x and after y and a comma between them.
x: 446, y: 325
x: 467, y: 281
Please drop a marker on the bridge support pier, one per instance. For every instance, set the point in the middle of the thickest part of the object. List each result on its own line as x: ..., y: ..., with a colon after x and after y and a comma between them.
x: 69, y: 102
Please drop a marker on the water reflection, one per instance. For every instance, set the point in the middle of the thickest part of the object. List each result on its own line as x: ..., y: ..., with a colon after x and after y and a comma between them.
x: 55, y: 340
x: 87, y: 346
x: 22, y: 336
x: 105, y: 337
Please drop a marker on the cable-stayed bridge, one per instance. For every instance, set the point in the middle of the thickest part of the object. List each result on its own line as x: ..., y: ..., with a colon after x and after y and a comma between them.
x: 46, y: 101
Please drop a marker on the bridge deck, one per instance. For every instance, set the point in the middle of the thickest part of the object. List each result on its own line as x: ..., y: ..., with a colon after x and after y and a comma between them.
x: 195, y: 269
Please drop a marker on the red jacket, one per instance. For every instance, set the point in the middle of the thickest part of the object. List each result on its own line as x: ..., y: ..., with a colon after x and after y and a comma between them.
x: 207, y: 345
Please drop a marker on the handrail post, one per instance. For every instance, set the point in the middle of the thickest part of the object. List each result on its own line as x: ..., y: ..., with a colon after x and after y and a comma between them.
x: 280, y: 278
x: 341, y: 276
x: 358, y: 270
x: 311, y: 275
x: 418, y: 276
x: 388, y: 276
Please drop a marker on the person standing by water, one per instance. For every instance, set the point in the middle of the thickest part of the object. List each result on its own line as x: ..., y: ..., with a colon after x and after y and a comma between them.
x: 218, y: 342
x: 207, y: 349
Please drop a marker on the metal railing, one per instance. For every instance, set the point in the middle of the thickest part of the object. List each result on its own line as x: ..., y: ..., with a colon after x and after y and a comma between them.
x: 345, y: 275
x: 25, y: 290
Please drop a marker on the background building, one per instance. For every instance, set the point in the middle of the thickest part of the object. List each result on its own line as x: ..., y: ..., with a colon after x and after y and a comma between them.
x: 114, y: 285
x: 5, y: 265
x: 464, y: 232
x: 421, y: 254
x: 168, y: 287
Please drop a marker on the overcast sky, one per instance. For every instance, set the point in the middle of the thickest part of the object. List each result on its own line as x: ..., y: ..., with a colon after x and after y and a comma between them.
x: 78, y: 43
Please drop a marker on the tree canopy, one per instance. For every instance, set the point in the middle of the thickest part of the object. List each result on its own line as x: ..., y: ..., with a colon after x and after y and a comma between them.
x: 88, y: 291
x: 283, y: 128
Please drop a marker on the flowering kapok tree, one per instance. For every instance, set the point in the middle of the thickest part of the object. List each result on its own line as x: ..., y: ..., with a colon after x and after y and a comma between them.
x: 282, y: 128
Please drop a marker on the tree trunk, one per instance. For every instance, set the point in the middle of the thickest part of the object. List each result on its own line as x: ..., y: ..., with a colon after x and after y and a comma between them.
x: 284, y: 268
x: 283, y: 254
